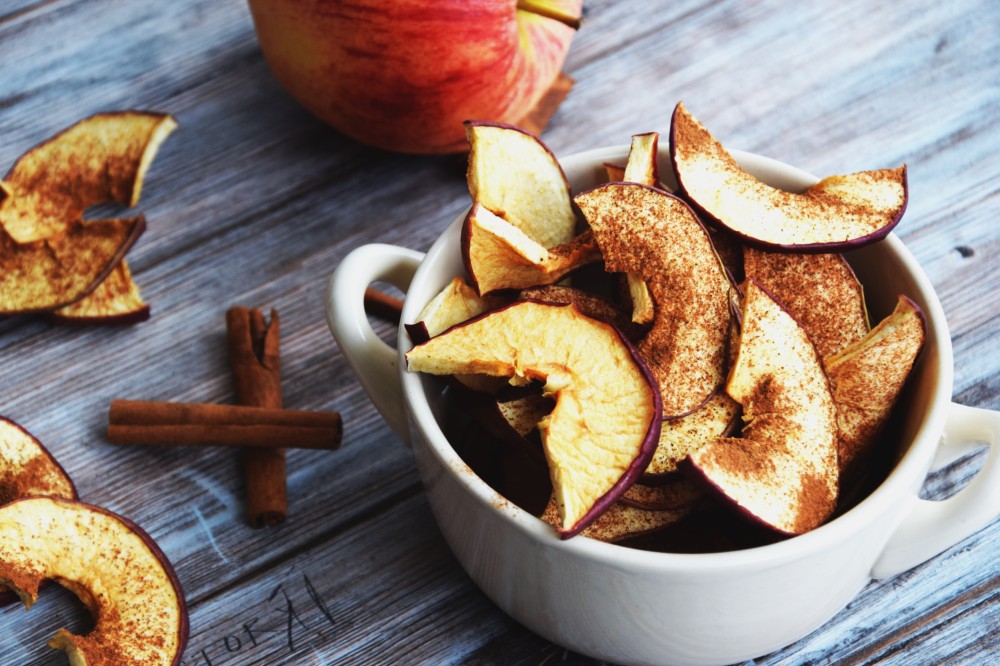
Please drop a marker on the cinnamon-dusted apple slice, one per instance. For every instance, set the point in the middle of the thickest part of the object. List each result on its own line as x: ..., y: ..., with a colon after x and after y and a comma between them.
x: 622, y: 521
x: 836, y: 213
x: 820, y: 290
x: 657, y: 237
x: 718, y: 417
x: 27, y: 468
x: 116, y: 300
x: 606, y: 420
x: 867, y: 376
x: 592, y: 305
x: 677, y: 493
x: 52, y: 272
x: 499, y: 256
x: 783, y: 470
x: 515, y: 176
x: 108, y: 561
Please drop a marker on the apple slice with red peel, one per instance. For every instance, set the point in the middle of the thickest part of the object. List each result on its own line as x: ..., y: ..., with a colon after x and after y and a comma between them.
x: 454, y: 304
x: 27, y: 468
x: 499, y: 256
x: 642, y: 167
x: 52, y: 272
x: 783, y: 470
x: 515, y: 176
x: 677, y: 493
x: 622, y: 521
x: 837, y: 213
x: 718, y: 417
x: 592, y: 305
x: 867, y: 377
x: 115, y: 568
x: 603, y: 429
x: 820, y: 290
x: 116, y: 300
x: 656, y: 236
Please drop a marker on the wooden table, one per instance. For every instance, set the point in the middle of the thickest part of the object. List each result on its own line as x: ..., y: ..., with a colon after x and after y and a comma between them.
x: 253, y: 202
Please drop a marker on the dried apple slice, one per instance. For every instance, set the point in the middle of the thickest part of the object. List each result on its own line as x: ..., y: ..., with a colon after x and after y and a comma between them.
x: 867, y: 376
x: 681, y: 436
x: 515, y: 176
x: 49, y: 273
x: 99, y: 159
x: 783, y: 470
x: 679, y: 492
x: 819, y: 290
x: 604, y: 426
x: 499, y: 256
x: 454, y: 304
x: 116, y: 300
x: 657, y: 237
x: 622, y: 521
x: 837, y: 213
x: 589, y: 304
x: 111, y: 564
x: 27, y: 468
x: 642, y: 167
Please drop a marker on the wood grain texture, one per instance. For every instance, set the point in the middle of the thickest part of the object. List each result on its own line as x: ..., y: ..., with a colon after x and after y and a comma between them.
x: 358, y: 574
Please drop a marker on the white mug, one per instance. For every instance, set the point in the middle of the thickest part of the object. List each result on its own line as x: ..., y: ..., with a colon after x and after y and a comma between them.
x: 637, y: 607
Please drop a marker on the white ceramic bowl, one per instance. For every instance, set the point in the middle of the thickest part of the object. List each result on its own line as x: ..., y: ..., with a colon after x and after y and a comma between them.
x: 631, y: 606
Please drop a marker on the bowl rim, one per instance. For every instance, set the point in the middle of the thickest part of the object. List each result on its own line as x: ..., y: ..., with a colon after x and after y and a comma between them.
x: 913, y: 465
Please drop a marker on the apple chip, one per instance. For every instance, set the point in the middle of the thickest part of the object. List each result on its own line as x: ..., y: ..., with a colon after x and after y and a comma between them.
x: 111, y: 564
x: 500, y: 256
x: 820, y: 290
x: 115, y: 300
x: 589, y: 304
x: 783, y: 470
x: 681, y: 436
x: 676, y: 493
x: 867, y: 377
x: 27, y: 468
x: 48, y: 273
x: 606, y: 420
x: 837, y: 213
x: 642, y: 167
x: 515, y: 176
x: 454, y: 304
x: 657, y: 237
x: 622, y: 521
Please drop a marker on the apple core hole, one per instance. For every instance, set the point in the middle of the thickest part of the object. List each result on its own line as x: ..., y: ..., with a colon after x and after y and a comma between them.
x: 57, y: 608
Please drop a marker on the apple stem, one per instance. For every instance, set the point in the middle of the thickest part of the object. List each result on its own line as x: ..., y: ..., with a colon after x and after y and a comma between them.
x: 549, y: 12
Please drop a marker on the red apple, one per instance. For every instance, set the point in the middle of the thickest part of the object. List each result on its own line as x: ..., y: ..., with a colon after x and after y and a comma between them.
x: 404, y: 75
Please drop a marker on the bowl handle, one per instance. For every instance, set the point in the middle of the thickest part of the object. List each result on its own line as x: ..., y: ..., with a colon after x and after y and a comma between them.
x: 373, y: 361
x: 931, y: 527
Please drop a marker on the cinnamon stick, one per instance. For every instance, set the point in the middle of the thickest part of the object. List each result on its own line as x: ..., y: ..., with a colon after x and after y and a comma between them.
x: 383, y: 305
x: 256, y: 366
x: 146, y: 423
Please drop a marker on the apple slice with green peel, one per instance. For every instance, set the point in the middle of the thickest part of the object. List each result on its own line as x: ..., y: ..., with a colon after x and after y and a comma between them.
x: 622, y: 521
x: 515, y: 176
x: 681, y: 436
x: 820, y: 290
x: 867, y: 377
x: 656, y: 236
x: 783, y: 470
x: 837, y: 213
x: 52, y: 272
x: 603, y: 429
x: 499, y: 256
x: 111, y: 564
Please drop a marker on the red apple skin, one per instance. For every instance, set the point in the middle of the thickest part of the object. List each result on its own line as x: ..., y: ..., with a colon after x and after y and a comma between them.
x: 404, y: 75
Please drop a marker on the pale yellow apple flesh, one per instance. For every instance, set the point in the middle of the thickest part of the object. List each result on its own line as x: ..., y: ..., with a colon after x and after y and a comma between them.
x: 642, y: 167
x: 27, y: 468
x: 499, y: 256
x: 681, y: 436
x: 783, y: 470
x: 867, y: 377
x: 820, y: 290
x: 605, y: 423
x: 838, y: 212
x: 656, y: 236
x: 514, y: 175
x: 115, y: 569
